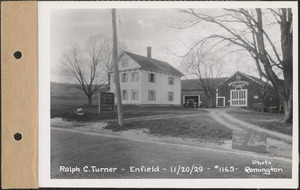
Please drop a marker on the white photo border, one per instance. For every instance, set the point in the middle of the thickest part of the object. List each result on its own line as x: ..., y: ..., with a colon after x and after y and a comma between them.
x: 44, y: 100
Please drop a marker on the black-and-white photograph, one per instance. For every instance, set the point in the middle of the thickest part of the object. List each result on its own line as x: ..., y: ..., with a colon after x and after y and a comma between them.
x: 169, y: 93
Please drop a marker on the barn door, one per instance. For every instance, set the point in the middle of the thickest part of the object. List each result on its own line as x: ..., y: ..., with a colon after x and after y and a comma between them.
x: 221, y: 102
x: 238, y: 97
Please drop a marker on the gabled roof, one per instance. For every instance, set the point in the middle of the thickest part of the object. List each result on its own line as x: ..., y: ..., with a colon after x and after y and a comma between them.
x: 153, y: 64
x: 255, y: 79
x: 193, y: 84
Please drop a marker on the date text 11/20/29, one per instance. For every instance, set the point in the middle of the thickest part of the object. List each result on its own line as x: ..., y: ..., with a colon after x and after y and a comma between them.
x: 198, y: 169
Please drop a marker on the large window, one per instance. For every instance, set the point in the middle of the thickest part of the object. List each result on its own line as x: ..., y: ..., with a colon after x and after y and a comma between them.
x: 151, y: 95
x: 151, y: 77
x: 171, y: 80
x: 135, y: 94
x: 124, y: 62
x: 124, y: 77
x: 124, y: 94
x: 238, y: 97
x: 134, y: 77
x: 170, y: 96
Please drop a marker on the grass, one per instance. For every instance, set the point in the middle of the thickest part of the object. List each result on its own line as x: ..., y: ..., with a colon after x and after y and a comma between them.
x: 61, y: 106
x: 268, y: 121
x: 66, y: 109
x: 201, y: 128
x: 277, y: 126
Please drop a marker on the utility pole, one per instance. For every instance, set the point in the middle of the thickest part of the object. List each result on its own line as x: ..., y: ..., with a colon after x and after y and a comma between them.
x: 116, y: 69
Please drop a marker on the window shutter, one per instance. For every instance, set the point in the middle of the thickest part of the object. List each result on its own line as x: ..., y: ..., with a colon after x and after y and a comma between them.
x: 149, y: 77
x: 154, y: 78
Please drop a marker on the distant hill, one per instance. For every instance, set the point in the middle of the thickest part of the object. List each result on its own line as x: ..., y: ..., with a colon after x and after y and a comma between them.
x: 67, y: 91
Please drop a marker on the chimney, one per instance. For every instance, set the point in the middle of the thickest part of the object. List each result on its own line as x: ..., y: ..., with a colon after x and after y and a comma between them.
x: 149, y: 52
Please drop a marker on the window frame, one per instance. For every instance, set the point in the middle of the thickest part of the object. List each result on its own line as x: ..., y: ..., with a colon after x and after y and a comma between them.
x: 126, y: 78
x: 132, y: 94
x: 125, y: 62
x: 123, y: 96
x: 151, y: 95
x: 171, y: 80
x: 150, y: 78
x: 171, y: 94
x: 133, y: 79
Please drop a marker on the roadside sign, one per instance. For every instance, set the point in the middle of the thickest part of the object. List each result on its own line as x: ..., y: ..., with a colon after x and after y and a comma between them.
x: 106, y: 101
x: 249, y: 140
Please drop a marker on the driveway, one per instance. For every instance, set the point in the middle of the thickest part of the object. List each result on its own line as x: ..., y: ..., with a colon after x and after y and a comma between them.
x: 233, y: 123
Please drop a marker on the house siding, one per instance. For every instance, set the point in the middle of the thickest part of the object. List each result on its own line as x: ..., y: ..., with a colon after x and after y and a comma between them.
x: 129, y: 86
x: 161, y: 86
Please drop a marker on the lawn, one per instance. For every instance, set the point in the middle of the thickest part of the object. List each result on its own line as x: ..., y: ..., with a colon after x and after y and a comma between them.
x: 66, y: 108
x: 60, y: 106
x: 200, y: 128
x: 264, y: 120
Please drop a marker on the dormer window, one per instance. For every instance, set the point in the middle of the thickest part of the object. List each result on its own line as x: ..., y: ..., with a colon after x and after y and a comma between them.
x: 124, y: 62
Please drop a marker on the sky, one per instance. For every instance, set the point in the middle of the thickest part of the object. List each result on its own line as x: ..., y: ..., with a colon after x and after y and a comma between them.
x: 137, y: 28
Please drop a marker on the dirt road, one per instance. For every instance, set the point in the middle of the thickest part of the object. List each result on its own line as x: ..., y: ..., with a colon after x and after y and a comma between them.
x: 89, y: 150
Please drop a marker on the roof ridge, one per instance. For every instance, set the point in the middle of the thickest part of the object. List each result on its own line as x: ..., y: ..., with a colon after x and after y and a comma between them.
x: 153, y: 64
x: 206, y: 78
x: 145, y: 57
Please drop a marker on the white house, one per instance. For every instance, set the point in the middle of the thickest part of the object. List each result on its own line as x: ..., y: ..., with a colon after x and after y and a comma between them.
x: 147, y: 81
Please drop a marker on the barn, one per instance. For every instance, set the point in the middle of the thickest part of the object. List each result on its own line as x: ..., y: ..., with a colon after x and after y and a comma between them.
x: 239, y: 90
x: 193, y: 94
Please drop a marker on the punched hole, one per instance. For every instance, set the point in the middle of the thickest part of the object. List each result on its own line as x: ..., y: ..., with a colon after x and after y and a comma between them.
x: 17, y: 136
x: 18, y: 55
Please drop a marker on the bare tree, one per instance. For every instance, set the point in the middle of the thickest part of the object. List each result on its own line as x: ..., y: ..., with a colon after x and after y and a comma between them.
x: 250, y: 30
x: 107, y: 54
x: 206, y: 67
x: 84, y: 67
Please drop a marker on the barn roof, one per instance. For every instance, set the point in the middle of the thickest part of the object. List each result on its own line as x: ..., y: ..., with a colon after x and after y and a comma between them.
x: 153, y: 64
x: 255, y: 79
x: 193, y: 84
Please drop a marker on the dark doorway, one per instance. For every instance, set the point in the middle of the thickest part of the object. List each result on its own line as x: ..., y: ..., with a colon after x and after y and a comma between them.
x: 221, y: 102
x: 191, y: 101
